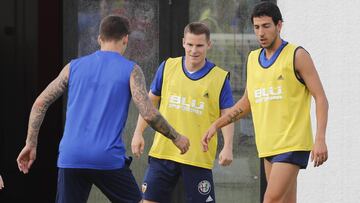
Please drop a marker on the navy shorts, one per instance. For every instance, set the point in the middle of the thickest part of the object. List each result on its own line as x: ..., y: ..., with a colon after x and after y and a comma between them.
x: 162, y: 176
x: 300, y: 158
x: 118, y: 185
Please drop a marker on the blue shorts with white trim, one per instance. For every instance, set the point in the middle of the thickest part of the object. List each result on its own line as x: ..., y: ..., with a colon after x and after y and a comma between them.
x: 162, y: 176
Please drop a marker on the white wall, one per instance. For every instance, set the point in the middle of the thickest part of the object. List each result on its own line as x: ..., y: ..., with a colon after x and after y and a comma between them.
x: 330, y: 31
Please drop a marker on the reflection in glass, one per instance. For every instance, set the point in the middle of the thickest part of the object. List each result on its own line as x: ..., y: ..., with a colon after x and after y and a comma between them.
x: 143, y: 15
x: 232, y: 39
x: 143, y: 48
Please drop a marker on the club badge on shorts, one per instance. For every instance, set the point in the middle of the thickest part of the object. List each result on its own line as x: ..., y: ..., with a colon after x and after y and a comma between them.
x: 204, y: 187
x: 143, y: 187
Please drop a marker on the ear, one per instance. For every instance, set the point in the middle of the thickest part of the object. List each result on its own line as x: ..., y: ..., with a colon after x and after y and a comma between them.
x: 99, y: 40
x: 279, y: 25
x: 183, y: 42
x: 126, y: 40
x: 209, y: 44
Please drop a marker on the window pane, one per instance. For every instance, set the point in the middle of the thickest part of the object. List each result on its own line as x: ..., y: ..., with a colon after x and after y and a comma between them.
x: 232, y: 38
x: 143, y: 48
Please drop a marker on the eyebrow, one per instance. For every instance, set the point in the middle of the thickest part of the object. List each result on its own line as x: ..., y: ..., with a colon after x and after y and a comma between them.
x: 262, y: 24
x: 194, y: 44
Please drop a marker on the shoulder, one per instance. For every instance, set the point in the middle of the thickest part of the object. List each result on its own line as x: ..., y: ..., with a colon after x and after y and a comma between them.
x: 301, y: 52
x: 170, y: 64
x: 256, y: 51
x: 221, y: 72
x: 301, y: 57
x: 175, y: 59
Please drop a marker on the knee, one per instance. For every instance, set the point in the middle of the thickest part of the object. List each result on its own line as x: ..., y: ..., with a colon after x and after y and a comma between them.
x: 271, y: 197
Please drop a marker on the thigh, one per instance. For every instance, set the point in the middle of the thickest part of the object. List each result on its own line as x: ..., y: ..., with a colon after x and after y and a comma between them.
x: 198, y: 183
x: 73, y: 186
x: 281, y: 181
x: 160, y: 179
x: 118, y: 185
x: 291, y: 195
x: 267, y: 167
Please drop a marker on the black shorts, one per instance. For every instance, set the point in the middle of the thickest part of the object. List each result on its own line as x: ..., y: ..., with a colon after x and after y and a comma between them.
x: 118, y: 185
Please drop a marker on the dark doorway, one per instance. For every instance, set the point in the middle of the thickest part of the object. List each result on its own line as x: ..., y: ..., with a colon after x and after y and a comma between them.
x: 30, y: 36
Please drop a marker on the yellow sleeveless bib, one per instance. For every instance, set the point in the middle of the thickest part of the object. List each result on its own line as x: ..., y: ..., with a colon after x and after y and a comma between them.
x: 280, y: 105
x: 190, y: 106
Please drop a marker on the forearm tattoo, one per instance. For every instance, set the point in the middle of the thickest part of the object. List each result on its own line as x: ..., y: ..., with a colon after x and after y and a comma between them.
x: 235, y: 115
x: 52, y: 92
x: 147, y: 110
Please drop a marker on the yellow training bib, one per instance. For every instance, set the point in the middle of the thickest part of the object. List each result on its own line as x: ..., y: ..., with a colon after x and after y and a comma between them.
x: 190, y: 106
x: 280, y: 105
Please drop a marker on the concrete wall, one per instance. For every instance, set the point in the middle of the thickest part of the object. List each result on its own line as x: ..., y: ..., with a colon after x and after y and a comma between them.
x: 330, y: 31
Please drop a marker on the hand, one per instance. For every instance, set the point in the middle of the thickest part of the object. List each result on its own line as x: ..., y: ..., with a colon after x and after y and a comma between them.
x: 225, y: 157
x: 1, y: 183
x: 319, y: 154
x: 207, y: 137
x: 26, y: 158
x: 182, y: 143
x: 137, y: 145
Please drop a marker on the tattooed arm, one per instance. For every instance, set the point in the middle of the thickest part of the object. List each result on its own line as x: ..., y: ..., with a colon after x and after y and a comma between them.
x: 226, y: 154
x: 239, y: 110
x: 52, y: 92
x: 138, y: 142
x: 150, y: 114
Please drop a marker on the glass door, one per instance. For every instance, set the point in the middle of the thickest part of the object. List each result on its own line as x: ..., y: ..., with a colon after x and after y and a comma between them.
x: 143, y: 48
x: 232, y: 39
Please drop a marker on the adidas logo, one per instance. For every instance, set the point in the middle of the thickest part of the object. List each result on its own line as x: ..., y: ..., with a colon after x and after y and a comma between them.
x: 280, y: 77
x: 209, y: 199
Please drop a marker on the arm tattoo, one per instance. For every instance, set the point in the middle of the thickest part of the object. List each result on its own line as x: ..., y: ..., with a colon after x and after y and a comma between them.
x: 147, y: 110
x: 234, y: 116
x: 52, y: 92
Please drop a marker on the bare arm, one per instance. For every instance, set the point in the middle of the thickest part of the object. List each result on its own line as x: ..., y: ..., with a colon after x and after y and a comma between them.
x: 141, y: 123
x: 226, y: 154
x: 1, y: 183
x: 52, y: 92
x: 138, y: 142
x: 306, y: 69
x: 149, y: 113
x: 239, y: 110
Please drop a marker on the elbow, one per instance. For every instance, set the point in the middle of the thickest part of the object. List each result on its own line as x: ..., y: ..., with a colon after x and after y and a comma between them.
x: 325, y: 102
x: 40, y: 105
x: 322, y: 102
x: 149, y: 116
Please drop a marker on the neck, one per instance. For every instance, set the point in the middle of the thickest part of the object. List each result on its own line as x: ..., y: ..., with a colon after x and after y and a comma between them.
x: 193, y: 67
x: 113, y: 46
x: 269, y: 51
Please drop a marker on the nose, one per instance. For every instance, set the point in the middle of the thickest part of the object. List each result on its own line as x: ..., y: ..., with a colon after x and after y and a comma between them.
x: 193, y: 49
x: 261, y: 32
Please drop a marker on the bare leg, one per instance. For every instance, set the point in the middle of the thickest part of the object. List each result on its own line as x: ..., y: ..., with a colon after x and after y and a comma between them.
x: 147, y: 201
x: 291, y: 196
x: 281, y: 182
x: 267, y: 166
